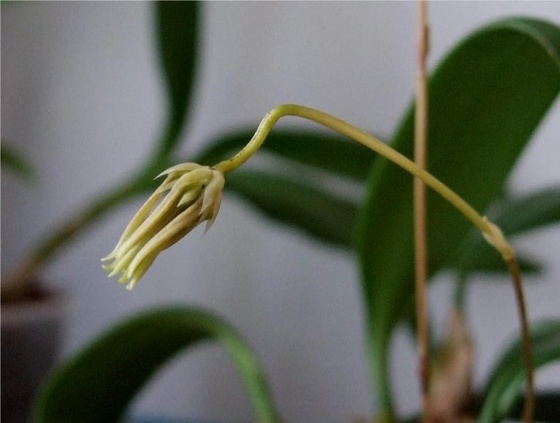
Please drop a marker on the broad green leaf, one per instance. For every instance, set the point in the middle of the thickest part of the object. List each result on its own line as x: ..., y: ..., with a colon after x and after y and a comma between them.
x: 14, y: 161
x: 334, y: 154
x: 486, y: 99
x: 99, y: 383
x: 177, y: 27
x: 515, y: 216
x: 507, y: 378
x: 298, y: 203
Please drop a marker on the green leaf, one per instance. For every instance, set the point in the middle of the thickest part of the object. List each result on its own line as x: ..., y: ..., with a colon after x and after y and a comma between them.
x: 508, y: 376
x: 538, y: 209
x: 99, y: 383
x: 515, y: 216
x: 15, y: 162
x: 314, y: 211
x: 177, y: 27
x: 331, y: 153
x: 493, y: 263
x: 486, y: 99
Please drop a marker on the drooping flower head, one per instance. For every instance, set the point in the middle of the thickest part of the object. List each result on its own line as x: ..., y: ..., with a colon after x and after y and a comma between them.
x: 189, y: 195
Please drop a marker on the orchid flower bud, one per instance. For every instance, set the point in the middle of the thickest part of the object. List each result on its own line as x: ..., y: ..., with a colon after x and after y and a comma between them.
x: 189, y: 195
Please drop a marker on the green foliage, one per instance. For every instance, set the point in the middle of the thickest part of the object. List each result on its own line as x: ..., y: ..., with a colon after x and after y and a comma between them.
x: 485, y: 104
x: 177, y: 27
x: 506, y: 380
x: 316, y: 212
x: 177, y: 41
x: 13, y: 161
x: 515, y: 216
x: 99, y: 383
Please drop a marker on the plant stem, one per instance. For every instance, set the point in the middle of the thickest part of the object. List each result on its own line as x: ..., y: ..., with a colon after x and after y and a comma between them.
x: 529, y: 406
x: 490, y: 231
x: 420, y: 212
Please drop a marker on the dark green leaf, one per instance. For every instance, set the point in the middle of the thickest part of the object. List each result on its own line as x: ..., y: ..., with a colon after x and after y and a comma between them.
x: 13, y: 161
x: 177, y: 27
x: 507, y: 378
x: 493, y: 263
x: 332, y: 153
x: 314, y: 211
x: 99, y: 383
x: 486, y: 99
x: 522, y: 214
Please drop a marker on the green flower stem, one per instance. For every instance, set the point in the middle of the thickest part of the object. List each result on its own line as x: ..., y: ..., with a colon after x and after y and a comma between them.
x: 490, y: 231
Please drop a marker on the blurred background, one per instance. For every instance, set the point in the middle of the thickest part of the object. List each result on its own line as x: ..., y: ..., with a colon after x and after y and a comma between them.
x: 82, y: 99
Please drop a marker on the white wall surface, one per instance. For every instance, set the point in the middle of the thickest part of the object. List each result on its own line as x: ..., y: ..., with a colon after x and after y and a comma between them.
x: 81, y: 97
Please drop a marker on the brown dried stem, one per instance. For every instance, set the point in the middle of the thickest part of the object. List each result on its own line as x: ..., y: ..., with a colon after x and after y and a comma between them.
x: 527, y: 349
x: 420, y: 209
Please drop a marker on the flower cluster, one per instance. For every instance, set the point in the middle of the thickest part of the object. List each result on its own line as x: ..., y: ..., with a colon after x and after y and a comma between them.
x: 189, y: 195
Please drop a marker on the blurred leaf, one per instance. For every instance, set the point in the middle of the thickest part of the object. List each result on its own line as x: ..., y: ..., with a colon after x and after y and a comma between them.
x: 493, y: 263
x: 15, y: 162
x: 515, y: 216
x: 485, y: 103
x: 310, y: 209
x: 508, y: 376
x: 100, y: 382
x: 535, y: 210
x: 177, y: 27
x: 331, y: 153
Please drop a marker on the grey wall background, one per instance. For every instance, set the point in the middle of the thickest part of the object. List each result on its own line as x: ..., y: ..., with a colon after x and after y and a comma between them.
x: 81, y: 98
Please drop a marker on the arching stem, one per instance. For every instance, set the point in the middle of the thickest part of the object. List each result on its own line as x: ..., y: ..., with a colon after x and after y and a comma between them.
x: 490, y: 231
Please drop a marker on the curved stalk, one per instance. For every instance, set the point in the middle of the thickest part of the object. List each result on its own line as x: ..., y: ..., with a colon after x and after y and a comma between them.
x: 490, y: 231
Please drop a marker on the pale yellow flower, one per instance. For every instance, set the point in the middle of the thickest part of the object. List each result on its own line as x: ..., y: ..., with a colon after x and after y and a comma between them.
x: 189, y: 195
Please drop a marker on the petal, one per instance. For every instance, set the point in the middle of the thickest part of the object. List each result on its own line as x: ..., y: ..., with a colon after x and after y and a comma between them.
x: 189, y: 197
x: 163, y: 213
x: 183, y: 167
x: 213, y: 190
x: 139, y: 217
x: 166, y: 237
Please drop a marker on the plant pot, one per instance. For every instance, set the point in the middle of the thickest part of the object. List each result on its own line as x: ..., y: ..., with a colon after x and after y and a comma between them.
x: 31, y: 334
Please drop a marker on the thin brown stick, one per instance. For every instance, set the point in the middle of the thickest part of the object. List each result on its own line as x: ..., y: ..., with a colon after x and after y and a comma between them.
x: 420, y: 210
x: 529, y: 406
